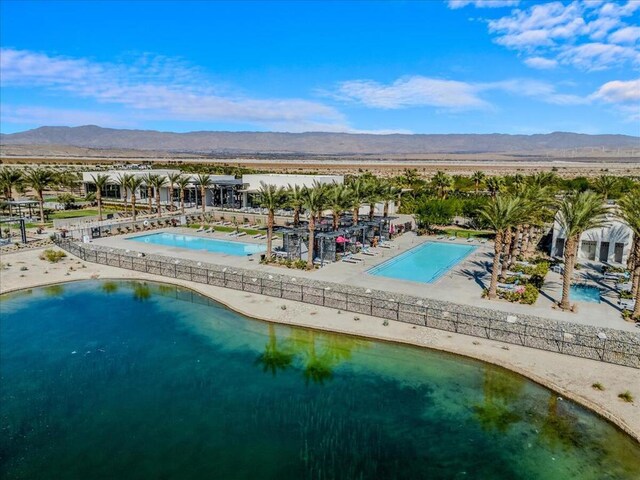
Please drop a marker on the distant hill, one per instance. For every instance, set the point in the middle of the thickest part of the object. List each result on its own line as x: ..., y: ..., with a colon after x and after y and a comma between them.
x: 92, y: 136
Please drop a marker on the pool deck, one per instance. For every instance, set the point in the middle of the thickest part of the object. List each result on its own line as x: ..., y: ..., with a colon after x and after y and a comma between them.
x: 570, y: 376
x: 463, y: 284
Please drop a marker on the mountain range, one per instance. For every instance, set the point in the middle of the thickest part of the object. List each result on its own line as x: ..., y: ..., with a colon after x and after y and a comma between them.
x: 91, y: 136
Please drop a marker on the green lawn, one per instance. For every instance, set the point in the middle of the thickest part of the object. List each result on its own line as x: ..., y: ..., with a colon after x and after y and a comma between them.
x: 78, y: 213
x: 248, y: 231
x: 466, y: 233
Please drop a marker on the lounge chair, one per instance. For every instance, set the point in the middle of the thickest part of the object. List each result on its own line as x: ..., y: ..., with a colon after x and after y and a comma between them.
x: 452, y: 238
x: 201, y: 229
x: 507, y: 286
x: 558, y: 269
x: 209, y: 230
x: 484, y: 240
x: 233, y: 234
x: 262, y: 237
x: 257, y: 235
x: 369, y: 253
x: 440, y: 237
x: 627, y: 303
x: 275, y: 237
x: 241, y: 234
x: 470, y: 239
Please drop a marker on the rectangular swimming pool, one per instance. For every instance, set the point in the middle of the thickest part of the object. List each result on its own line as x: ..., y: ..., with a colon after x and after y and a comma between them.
x: 189, y: 242
x: 584, y: 293
x: 425, y: 263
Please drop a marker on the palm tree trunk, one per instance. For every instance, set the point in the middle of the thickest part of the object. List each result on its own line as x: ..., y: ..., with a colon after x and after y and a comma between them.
x: 171, y: 198
x: 569, y: 259
x: 312, y: 227
x: 515, y: 251
x: 355, y: 215
x: 296, y: 217
x: 150, y: 197
x: 124, y: 200
x: 335, y: 221
x: 371, y: 211
x: 505, y: 259
x: 635, y: 277
x: 41, y: 205
x: 386, y: 209
x: 182, y: 200
x: 133, y: 205
x: 158, y: 202
x: 270, y: 219
x: 99, y: 200
x: 203, y: 194
x: 493, y: 286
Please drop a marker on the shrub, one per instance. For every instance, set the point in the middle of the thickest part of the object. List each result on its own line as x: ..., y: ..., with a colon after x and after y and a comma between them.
x: 626, y: 295
x: 597, y: 386
x: 52, y: 256
x: 626, y: 396
x: 530, y: 295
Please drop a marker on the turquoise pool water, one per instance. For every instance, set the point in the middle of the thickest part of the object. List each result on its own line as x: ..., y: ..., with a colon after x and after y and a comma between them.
x: 425, y: 263
x: 128, y: 380
x: 584, y: 293
x: 199, y: 243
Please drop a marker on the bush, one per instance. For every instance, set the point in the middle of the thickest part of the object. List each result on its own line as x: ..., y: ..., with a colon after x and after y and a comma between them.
x: 530, y: 295
x: 52, y: 256
x: 626, y: 396
x: 597, y: 386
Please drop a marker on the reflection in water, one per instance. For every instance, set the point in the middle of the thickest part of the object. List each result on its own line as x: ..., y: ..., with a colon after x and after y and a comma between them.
x: 141, y: 291
x: 110, y: 287
x: 54, y: 290
x: 274, y: 357
x: 501, y: 392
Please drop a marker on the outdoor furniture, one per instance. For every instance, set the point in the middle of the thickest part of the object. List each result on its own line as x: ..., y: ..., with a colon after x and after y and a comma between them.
x: 241, y: 234
x: 452, y: 238
x: 627, y: 303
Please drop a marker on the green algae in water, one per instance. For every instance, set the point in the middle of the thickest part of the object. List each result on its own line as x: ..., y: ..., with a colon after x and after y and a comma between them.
x: 135, y: 380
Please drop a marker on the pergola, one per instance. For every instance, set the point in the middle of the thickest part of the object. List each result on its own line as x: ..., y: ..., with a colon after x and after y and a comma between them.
x: 23, y: 229
x: 21, y: 204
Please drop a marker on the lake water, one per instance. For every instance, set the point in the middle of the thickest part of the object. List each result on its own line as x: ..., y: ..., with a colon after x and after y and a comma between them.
x: 127, y: 380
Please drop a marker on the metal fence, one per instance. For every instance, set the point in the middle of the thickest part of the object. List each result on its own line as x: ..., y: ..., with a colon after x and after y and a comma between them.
x: 561, y: 337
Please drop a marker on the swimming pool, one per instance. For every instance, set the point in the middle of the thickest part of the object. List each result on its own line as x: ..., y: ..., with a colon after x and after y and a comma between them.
x: 198, y: 243
x: 425, y: 263
x: 584, y: 293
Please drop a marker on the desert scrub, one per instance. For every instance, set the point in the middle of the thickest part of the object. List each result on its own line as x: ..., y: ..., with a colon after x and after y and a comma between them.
x: 626, y: 396
x: 52, y: 256
x: 597, y: 386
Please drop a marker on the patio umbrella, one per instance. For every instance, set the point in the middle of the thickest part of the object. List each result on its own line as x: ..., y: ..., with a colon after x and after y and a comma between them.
x: 343, y: 241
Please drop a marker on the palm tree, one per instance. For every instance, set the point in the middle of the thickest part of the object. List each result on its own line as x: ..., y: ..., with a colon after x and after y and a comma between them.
x: 149, y: 180
x: 271, y: 198
x: 630, y: 213
x: 123, y: 180
x: 38, y: 179
x: 389, y: 193
x: 159, y: 182
x: 135, y: 183
x: 442, y: 183
x: 577, y: 213
x: 172, y: 179
x: 182, y: 182
x: 501, y: 213
x: 358, y: 196
x: 338, y: 201
x: 605, y: 185
x: 314, y: 203
x: 494, y: 185
x: 373, y: 193
x: 295, y: 199
x: 205, y: 181
x: 100, y: 182
x: 9, y: 178
x: 478, y: 178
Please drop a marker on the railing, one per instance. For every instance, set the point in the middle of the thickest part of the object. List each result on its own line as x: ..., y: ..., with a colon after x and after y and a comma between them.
x: 607, y: 345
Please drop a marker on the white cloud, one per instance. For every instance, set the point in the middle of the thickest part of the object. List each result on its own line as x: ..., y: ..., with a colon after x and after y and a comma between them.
x: 411, y: 91
x: 618, y: 91
x: 590, y: 35
x: 625, y: 35
x: 541, y: 63
x: 164, y: 88
x: 419, y: 91
x: 455, y: 4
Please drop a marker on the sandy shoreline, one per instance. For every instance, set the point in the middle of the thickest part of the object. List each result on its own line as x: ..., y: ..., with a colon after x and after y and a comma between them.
x: 571, y: 377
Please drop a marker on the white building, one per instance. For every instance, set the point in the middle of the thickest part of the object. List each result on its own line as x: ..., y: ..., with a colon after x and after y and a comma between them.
x: 251, y: 183
x: 610, y: 244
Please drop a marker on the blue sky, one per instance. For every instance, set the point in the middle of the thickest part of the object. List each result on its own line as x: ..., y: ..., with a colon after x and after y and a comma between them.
x: 459, y: 66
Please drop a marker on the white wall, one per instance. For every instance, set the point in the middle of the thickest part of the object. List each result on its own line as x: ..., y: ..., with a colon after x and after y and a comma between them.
x: 615, y: 232
x: 252, y: 182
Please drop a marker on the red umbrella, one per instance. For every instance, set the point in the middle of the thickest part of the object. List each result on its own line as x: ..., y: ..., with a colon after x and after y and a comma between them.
x: 341, y: 239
